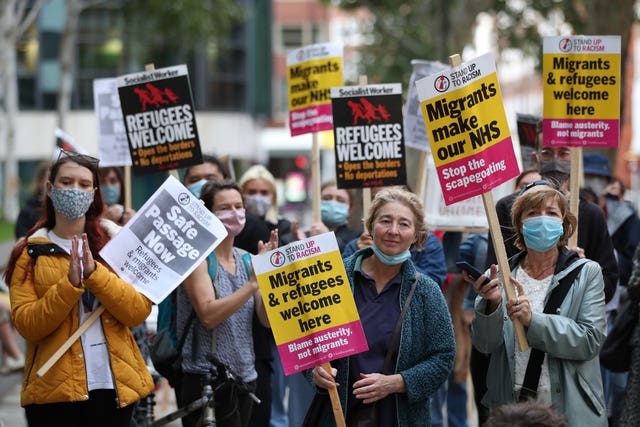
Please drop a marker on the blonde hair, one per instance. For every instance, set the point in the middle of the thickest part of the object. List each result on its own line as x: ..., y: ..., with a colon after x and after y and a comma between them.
x: 260, y: 172
x: 534, y: 198
x: 410, y: 200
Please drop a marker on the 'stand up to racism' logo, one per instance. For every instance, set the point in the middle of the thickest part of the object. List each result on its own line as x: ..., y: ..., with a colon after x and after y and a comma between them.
x: 366, y: 111
x: 442, y: 83
x: 565, y: 45
x: 184, y: 198
x: 151, y: 95
x: 277, y: 259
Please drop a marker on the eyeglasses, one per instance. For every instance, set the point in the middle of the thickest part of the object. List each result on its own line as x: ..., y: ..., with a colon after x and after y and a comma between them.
x: 73, y: 155
x: 548, y: 153
x: 536, y: 183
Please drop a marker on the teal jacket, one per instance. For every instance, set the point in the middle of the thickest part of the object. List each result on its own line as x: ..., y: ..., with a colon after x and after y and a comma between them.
x: 571, y: 340
x: 426, y: 353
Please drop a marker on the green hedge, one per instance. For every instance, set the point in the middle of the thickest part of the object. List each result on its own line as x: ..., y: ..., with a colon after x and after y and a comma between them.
x: 6, y: 231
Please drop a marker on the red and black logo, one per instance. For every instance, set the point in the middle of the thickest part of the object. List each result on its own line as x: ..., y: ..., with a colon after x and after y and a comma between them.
x: 366, y: 111
x: 155, y: 96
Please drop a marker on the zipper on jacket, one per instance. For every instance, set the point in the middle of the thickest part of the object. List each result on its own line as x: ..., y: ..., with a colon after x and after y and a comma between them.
x: 31, y: 363
x: 84, y: 354
x: 113, y: 375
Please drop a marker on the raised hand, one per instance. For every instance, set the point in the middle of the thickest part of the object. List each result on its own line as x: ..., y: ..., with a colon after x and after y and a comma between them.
x: 271, y: 244
x: 519, y: 307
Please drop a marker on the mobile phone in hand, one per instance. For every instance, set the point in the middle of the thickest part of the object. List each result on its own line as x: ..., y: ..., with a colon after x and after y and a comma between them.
x: 473, y: 272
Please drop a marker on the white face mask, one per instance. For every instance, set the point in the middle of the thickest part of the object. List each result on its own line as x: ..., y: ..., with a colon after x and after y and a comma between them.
x: 257, y: 204
x: 596, y: 183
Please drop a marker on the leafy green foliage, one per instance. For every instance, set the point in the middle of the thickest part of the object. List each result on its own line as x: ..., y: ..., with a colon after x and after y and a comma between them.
x: 522, y: 24
x: 6, y: 231
x: 404, y: 30
x: 416, y: 29
x: 179, y: 26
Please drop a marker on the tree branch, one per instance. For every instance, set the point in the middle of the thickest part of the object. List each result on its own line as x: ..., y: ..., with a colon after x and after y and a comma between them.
x: 24, y: 25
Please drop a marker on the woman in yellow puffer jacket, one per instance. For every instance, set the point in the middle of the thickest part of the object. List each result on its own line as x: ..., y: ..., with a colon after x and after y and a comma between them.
x: 56, y: 280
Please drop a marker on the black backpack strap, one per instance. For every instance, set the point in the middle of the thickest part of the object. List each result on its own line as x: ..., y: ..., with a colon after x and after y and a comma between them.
x: 36, y: 249
x: 536, y: 358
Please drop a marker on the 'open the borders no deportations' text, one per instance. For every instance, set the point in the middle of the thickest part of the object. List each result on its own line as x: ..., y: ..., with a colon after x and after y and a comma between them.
x: 150, y: 131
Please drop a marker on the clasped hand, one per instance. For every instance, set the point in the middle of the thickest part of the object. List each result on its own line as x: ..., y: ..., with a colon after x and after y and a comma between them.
x: 369, y: 388
x: 76, y: 273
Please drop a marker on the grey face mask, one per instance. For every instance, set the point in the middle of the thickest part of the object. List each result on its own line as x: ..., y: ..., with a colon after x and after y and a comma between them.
x: 555, y: 165
x: 555, y: 170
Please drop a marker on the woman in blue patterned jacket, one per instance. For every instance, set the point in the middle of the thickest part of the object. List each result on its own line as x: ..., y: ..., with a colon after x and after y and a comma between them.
x: 381, y: 278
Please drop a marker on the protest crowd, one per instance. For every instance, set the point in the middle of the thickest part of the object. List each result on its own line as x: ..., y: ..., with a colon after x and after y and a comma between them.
x: 428, y: 264
x: 265, y: 320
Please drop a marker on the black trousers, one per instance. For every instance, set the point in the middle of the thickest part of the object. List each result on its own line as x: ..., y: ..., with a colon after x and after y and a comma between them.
x: 479, y: 367
x: 232, y: 408
x: 261, y: 414
x: 100, y: 410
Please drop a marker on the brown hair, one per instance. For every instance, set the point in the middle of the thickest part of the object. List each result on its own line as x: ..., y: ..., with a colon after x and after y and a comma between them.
x: 211, y: 188
x: 525, y: 414
x: 535, y: 197
x: 351, y: 193
x: 410, y: 200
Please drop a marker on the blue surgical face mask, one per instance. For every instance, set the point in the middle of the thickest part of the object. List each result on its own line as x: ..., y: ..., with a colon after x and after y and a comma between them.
x: 333, y: 213
x: 542, y: 233
x: 196, y: 187
x: 110, y: 194
x: 391, y: 259
x: 257, y: 204
x: 71, y: 202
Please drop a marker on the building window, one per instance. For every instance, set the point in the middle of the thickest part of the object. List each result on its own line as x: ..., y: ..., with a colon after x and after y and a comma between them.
x: 292, y: 37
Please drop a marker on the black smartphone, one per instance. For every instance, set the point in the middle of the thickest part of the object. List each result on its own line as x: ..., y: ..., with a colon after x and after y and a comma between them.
x: 473, y: 272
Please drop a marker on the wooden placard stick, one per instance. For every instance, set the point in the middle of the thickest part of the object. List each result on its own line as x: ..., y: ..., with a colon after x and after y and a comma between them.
x: 127, y: 187
x: 503, y: 263
x: 315, y: 178
x: 498, y: 244
x: 67, y: 344
x: 335, y: 400
x: 423, y: 177
x: 574, y: 181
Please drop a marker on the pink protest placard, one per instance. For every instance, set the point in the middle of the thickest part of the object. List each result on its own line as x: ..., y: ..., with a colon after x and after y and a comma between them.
x: 467, y: 129
x: 581, y: 91
x: 309, y: 303
x: 312, y: 72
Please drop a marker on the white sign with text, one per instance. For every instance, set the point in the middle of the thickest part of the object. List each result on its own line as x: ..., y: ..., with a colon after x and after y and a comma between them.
x: 164, y: 242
